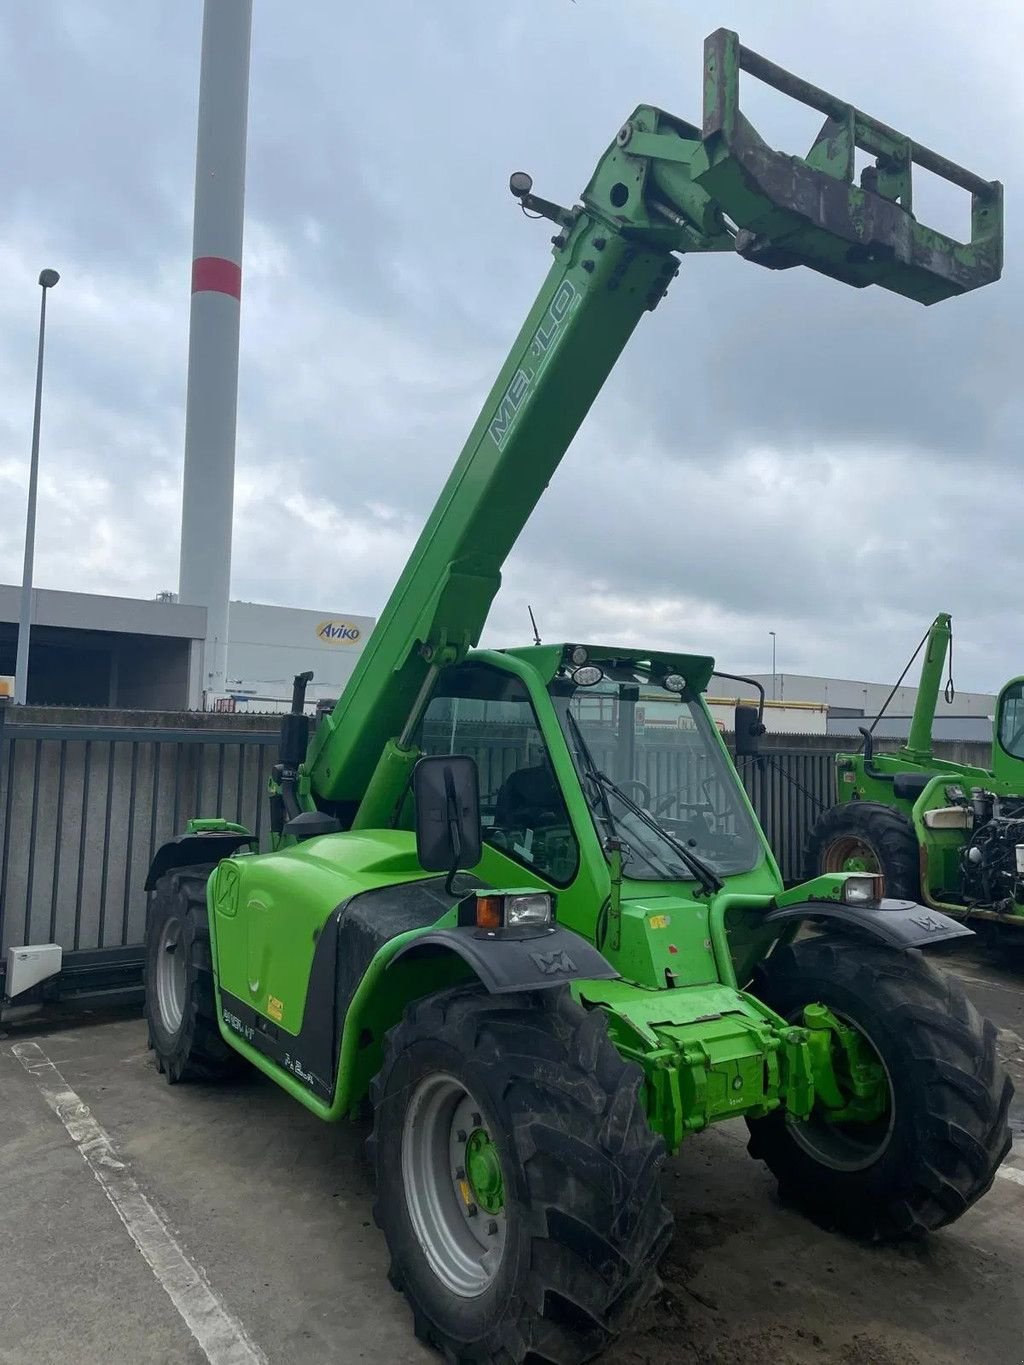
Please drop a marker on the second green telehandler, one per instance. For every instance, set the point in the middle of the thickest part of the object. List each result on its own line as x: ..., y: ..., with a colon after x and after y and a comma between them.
x: 946, y: 833
x: 540, y: 951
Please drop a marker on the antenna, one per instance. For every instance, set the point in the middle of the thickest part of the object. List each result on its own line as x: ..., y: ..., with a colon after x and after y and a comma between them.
x: 533, y: 623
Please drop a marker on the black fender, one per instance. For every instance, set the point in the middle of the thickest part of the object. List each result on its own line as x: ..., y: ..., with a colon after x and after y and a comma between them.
x: 505, y: 960
x: 189, y: 849
x: 899, y: 924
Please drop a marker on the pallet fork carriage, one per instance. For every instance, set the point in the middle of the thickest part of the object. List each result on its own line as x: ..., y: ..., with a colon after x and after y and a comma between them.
x: 541, y: 961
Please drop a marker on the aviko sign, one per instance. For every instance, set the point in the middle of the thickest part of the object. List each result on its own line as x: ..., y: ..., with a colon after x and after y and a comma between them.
x: 333, y: 632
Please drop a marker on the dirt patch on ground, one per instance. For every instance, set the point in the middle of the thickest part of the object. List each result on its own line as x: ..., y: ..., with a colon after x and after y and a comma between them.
x: 749, y: 1281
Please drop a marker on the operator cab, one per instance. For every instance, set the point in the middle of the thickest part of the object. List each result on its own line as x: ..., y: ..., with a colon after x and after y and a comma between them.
x: 646, y: 764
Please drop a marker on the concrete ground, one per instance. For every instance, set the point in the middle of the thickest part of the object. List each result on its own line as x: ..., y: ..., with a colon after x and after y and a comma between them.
x: 274, y: 1207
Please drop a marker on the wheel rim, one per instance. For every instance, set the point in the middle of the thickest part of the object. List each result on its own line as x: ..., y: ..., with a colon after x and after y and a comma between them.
x: 850, y: 853
x: 454, y: 1189
x: 170, y: 975
x: 846, y: 1146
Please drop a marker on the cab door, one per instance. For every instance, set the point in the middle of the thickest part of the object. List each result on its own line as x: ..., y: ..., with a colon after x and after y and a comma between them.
x: 533, y: 813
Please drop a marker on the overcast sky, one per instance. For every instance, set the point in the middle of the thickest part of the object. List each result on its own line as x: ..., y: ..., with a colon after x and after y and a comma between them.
x: 775, y: 451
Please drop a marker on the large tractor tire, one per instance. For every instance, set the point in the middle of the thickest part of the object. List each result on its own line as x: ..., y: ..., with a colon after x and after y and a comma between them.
x: 941, y: 1130
x: 181, y: 1008
x: 518, y: 1182
x: 865, y: 836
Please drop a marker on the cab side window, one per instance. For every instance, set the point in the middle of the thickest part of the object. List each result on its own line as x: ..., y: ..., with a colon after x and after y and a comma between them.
x: 480, y: 711
x: 1011, y: 721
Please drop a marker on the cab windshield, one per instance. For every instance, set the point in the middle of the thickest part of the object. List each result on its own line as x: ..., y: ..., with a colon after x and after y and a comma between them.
x: 637, y: 744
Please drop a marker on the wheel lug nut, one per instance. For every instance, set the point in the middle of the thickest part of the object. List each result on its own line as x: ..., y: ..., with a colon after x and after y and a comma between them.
x: 461, y: 1136
x: 476, y: 1120
x: 492, y: 1228
x: 471, y: 1209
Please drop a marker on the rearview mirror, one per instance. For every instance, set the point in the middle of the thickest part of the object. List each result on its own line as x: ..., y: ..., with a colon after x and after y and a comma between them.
x: 446, y: 790
x: 748, y: 729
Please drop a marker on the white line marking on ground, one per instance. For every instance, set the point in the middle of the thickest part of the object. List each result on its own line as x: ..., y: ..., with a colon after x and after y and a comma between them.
x: 1013, y: 1173
x: 221, y: 1336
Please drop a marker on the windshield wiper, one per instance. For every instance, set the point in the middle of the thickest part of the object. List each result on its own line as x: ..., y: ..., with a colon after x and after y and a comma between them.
x: 705, y: 874
x: 592, y: 772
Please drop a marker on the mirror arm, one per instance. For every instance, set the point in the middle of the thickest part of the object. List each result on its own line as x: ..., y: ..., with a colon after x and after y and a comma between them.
x: 869, y: 754
x: 750, y: 682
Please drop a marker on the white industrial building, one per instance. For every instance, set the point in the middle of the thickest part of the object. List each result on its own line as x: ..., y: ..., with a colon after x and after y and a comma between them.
x: 780, y: 718
x: 861, y: 698
x: 142, y: 654
x: 847, y: 704
x: 90, y: 650
x: 267, y: 646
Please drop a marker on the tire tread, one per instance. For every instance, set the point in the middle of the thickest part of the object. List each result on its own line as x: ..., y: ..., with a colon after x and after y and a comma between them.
x: 198, y: 1053
x: 590, y: 1166
x: 960, y: 1133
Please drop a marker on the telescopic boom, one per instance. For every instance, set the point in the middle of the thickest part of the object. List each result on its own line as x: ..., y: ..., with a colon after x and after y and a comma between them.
x: 663, y: 189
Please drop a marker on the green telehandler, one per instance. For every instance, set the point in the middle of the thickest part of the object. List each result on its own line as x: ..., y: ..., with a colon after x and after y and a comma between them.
x: 948, y: 834
x: 540, y: 952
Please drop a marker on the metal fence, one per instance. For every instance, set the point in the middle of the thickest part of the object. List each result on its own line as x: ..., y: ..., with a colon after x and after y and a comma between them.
x: 83, y: 807
x: 789, y: 788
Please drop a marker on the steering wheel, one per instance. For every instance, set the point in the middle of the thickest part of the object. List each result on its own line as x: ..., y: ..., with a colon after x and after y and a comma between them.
x: 536, y: 817
x: 672, y: 798
x: 643, y: 796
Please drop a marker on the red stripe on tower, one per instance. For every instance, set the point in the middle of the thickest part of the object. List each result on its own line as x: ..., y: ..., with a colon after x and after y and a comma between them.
x: 216, y: 275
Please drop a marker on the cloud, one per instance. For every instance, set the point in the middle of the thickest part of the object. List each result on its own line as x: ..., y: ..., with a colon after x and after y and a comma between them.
x: 809, y: 544
x: 774, y: 451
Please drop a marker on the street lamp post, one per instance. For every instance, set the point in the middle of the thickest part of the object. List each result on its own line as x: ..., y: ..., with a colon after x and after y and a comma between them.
x: 772, y: 634
x: 47, y: 279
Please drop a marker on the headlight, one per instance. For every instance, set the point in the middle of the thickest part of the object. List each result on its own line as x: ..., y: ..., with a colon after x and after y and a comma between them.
x: 863, y: 888
x: 533, y: 909
x: 494, y: 910
x: 579, y: 655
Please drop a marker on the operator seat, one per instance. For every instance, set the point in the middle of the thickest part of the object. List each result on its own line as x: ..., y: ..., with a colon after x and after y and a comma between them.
x: 527, y: 798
